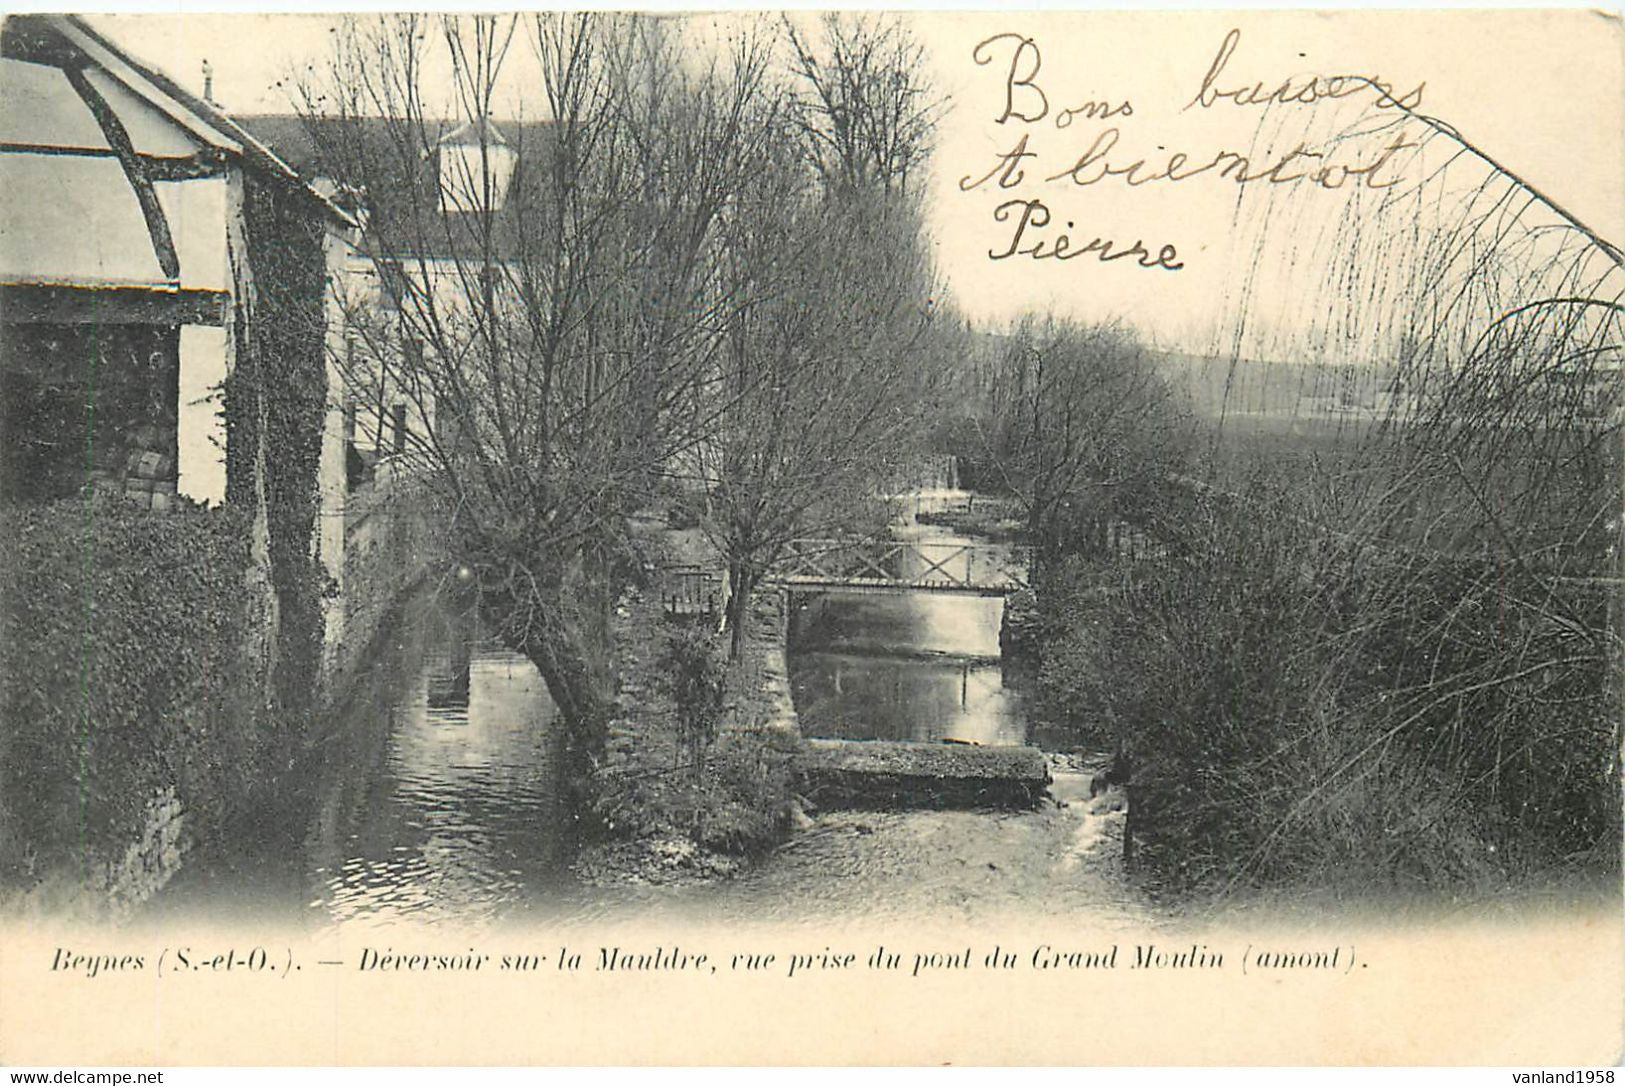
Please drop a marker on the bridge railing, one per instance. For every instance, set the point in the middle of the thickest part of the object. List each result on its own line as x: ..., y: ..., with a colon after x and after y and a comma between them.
x: 689, y: 591
x: 930, y: 564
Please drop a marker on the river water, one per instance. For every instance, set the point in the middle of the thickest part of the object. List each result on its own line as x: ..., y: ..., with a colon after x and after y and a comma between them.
x: 914, y: 666
x: 909, y: 665
x: 438, y: 797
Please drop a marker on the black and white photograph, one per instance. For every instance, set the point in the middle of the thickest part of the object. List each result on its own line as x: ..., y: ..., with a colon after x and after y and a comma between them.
x: 958, y: 537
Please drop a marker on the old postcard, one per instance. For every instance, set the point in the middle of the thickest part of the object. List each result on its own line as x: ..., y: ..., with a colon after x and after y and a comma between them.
x: 811, y: 538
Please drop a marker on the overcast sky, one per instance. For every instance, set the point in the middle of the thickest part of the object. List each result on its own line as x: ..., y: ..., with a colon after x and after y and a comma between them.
x: 1542, y: 92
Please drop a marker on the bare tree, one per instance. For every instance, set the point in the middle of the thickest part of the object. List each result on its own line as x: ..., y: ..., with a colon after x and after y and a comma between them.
x: 1082, y: 429
x: 556, y: 287
x: 864, y: 108
x: 826, y: 372
x: 827, y: 367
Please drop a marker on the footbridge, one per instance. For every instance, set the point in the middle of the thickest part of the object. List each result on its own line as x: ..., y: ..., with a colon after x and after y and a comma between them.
x: 903, y: 565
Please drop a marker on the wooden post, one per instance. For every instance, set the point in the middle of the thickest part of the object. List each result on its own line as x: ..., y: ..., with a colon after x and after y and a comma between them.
x: 1128, y: 824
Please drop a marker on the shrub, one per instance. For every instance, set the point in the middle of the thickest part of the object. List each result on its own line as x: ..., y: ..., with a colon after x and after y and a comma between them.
x: 741, y: 805
x: 753, y: 787
x: 1296, y: 709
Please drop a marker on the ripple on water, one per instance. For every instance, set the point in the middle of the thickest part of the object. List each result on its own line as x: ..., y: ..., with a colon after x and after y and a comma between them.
x: 418, y: 811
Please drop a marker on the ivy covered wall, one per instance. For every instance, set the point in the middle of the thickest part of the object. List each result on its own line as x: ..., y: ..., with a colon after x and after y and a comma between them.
x: 121, y: 674
x: 275, y: 406
x: 169, y: 659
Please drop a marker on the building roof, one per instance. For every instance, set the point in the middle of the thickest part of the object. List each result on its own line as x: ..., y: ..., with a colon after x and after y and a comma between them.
x: 393, y: 167
x: 113, y: 175
x: 474, y: 133
x: 57, y: 39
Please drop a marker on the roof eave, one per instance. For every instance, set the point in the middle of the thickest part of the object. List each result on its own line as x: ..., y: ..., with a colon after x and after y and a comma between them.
x: 192, y: 113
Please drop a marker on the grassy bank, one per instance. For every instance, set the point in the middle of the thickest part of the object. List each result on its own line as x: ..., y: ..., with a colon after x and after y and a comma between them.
x: 1294, y: 712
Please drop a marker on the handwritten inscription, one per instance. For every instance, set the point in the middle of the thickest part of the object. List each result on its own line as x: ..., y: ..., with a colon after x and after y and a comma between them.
x: 1298, y: 165
x: 1025, y: 62
x: 1032, y: 216
x: 1304, y: 91
x: 1028, y: 225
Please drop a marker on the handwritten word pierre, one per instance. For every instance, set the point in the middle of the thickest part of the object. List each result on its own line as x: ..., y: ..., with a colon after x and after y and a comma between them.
x: 1033, y: 216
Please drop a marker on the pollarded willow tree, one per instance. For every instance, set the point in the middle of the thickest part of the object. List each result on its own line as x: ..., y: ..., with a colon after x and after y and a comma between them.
x: 547, y: 201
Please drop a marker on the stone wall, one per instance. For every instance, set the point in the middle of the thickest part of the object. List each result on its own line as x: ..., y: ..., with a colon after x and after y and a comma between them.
x: 387, y: 546
x: 758, y: 697
x: 769, y: 669
x: 110, y: 890
x: 1020, y: 631
x: 151, y: 860
x: 387, y: 551
x: 123, y: 442
x: 637, y: 619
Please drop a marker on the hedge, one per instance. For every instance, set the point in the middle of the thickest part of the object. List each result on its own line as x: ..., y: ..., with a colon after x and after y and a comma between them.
x: 122, y: 671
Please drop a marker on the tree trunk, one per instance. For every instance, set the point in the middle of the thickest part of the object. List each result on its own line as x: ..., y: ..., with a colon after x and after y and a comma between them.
x: 1046, y: 551
x: 741, y: 585
x: 537, y: 626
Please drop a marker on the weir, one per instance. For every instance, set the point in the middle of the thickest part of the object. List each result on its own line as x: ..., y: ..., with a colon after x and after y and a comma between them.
x: 890, y: 775
x: 895, y: 667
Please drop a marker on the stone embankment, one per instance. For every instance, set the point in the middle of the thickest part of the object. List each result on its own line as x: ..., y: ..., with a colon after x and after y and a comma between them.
x: 663, y: 816
x: 1020, y: 631
x: 109, y: 890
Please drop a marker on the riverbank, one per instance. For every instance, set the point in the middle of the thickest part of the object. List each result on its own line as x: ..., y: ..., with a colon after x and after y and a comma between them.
x: 1062, y: 859
x: 667, y: 811
x: 989, y: 518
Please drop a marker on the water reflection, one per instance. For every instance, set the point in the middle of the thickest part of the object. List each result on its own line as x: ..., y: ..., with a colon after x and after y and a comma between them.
x: 464, y: 817
x: 436, y: 797
x: 916, y: 666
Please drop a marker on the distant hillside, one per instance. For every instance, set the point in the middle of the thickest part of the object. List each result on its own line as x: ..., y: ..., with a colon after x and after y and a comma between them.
x: 1219, y: 387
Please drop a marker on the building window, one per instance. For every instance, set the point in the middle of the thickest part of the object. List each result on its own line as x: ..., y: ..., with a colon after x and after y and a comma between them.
x: 357, y: 468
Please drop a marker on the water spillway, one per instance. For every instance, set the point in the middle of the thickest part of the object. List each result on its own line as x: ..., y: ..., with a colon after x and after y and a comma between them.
x: 889, y: 775
x: 903, y: 701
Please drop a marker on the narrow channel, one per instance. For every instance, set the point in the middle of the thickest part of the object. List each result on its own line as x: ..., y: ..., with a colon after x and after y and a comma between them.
x: 437, y: 798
